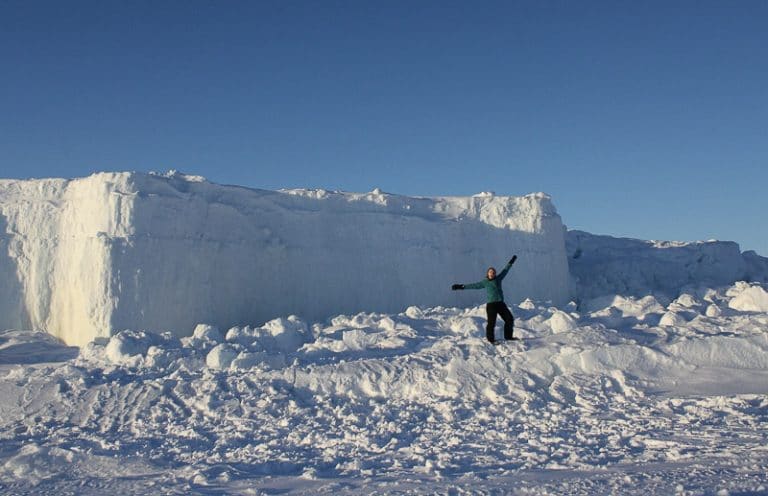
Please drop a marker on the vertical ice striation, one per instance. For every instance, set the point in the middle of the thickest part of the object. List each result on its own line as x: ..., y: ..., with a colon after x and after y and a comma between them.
x: 56, y: 253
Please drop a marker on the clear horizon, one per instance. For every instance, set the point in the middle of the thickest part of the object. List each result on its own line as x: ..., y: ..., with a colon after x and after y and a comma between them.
x: 647, y: 120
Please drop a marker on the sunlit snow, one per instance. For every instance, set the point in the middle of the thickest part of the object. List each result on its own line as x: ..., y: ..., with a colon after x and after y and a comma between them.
x: 650, y: 377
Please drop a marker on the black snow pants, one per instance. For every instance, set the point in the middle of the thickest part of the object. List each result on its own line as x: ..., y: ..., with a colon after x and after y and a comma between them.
x: 494, y: 309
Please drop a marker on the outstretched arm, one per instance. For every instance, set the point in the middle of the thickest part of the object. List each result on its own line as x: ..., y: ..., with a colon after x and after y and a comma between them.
x: 503, y: 273
x: 474, y: 285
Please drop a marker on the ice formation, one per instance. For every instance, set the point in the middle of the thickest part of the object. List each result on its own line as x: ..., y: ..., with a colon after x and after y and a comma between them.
x: 652, y: 381
x: 604, y: 265
x: 85, y: 257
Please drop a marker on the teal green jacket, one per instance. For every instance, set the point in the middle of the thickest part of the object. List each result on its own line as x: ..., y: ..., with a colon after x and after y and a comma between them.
x: 492, y: 287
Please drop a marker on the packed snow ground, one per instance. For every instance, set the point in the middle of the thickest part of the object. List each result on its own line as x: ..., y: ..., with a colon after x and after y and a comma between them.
x: 622, y: 395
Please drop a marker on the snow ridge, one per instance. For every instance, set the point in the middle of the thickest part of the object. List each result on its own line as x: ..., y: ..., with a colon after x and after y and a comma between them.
x: 604, y: 265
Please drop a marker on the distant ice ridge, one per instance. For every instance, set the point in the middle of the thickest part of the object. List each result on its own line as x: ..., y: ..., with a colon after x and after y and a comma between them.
x: 604, y: 265
x: 85, y: 257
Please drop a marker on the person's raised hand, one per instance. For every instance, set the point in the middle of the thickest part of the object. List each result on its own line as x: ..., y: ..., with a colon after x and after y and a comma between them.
x: 512, y: 260
x: 457, y: 286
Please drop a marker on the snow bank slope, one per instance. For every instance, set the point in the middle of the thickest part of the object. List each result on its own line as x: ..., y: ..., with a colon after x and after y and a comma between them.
x: 82, y: 257
x: 604, y: 265
x: 373, y: 402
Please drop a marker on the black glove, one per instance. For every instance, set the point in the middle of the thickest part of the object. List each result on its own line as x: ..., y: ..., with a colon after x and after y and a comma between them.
x: 512, y: 260
x: 457, y: 286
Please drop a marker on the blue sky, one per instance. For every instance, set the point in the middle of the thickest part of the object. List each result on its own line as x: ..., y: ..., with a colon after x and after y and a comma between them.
x: 641, y: 119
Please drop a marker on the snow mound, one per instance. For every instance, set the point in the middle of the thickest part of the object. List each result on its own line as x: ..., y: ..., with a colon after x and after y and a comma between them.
x: 670, y: 319
x: 612, y: 310
x: 127, y: 347
x: 748, y: 298
x: 221, y: 356
x: 713, y: 311
x: 85, y: 257
x: 35, y: 463
x: 207, y: 333
x: 686, y: 301
x: 561, y: 322
x: 134, y: 348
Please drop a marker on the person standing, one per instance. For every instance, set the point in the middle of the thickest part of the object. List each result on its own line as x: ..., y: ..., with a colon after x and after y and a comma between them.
x: 495, y: 301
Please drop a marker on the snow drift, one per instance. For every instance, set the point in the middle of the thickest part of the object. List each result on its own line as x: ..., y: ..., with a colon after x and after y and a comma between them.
x: 627, y: 396
x: 82, y: 258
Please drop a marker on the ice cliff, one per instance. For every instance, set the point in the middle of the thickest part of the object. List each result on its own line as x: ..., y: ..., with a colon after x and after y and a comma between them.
x: 84, y: 257
x: 603, y: 265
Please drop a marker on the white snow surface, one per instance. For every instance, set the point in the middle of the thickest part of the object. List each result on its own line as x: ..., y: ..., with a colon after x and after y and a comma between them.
x: 240, y: 341
x: 629, y: 396
x: 749, y: 298
x: 83, y: 258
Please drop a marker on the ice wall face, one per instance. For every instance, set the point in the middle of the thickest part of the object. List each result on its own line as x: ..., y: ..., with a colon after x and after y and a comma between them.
x: 56, y: 240
x: 113, y: 251
x: 603, y: 265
